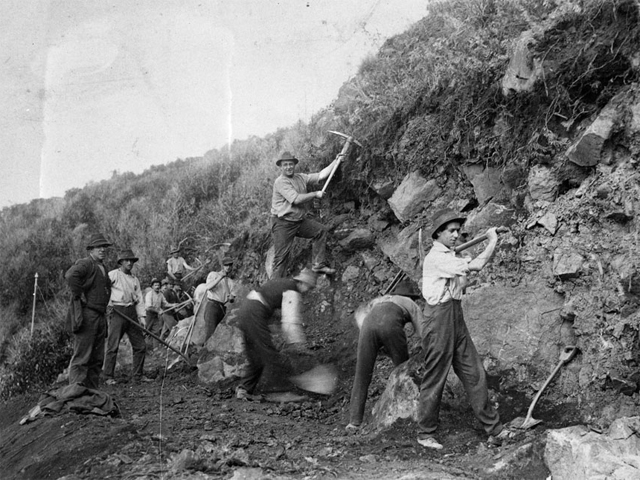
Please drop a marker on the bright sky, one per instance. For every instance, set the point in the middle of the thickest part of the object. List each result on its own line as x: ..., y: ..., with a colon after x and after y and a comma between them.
x: 92, y: 86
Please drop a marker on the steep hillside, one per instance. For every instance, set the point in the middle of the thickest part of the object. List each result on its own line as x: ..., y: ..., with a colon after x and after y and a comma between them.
x: 517, y: 113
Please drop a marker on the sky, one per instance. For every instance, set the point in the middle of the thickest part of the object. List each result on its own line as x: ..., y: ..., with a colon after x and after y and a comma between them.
x: 89, y: 87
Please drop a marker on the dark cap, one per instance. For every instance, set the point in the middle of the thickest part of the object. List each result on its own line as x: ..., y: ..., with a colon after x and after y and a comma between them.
x: 98, y: 240
x: 443, y: 217
x: 154, y: 280
x: 286, y: 156
x: 127, y: 255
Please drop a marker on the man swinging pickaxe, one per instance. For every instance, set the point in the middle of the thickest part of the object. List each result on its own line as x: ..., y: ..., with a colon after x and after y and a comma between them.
x: 289, y: 205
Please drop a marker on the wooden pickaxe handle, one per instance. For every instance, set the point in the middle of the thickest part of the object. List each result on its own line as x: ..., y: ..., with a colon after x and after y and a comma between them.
x: 341, y: 155
x: 478, y: 240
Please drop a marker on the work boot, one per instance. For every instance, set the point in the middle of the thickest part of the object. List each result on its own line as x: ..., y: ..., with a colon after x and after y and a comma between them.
x: 429, y: 441
x: 323, y: 268
x: 498, y: 439
x: 242, y: 394
x: 110, y: 381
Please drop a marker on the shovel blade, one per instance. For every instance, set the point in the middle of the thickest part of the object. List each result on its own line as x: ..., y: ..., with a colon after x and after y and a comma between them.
x: 321, y: 379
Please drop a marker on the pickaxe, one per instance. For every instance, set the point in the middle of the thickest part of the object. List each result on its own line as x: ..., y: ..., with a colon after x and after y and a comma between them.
x: 341, y: 155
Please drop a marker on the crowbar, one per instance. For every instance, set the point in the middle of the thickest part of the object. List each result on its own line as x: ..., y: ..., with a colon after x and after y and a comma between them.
x: 565, y: 357
x: 151, y: 334
x: 340, y: 156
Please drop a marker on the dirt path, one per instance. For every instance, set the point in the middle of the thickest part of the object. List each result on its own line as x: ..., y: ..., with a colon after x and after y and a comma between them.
x: 174, y: 428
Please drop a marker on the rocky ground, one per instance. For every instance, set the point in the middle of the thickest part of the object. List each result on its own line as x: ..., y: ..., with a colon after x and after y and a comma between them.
x: 175, y: 428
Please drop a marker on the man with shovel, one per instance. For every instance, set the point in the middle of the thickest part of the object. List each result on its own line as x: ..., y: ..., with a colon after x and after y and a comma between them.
x: 381, y: 322
x: 445, y: 339
x: 253, y: 321
x: 126, y: 298
x: 289, y: 206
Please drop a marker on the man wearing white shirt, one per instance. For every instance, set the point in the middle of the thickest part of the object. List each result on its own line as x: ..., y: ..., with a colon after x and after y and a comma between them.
x: 446, y: 341
x: 126, y: 299
x: 221, y: 290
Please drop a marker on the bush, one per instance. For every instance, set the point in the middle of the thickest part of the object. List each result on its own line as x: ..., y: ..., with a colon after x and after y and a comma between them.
x: 34, y: 362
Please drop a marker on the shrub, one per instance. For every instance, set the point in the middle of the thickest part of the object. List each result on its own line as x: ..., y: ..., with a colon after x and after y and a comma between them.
x: 34, y: 361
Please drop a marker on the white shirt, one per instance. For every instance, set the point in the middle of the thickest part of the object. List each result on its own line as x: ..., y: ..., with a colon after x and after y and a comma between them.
x: 444, y: 276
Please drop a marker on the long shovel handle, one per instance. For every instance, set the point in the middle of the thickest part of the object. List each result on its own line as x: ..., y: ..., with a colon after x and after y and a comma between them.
x: 129, y: 319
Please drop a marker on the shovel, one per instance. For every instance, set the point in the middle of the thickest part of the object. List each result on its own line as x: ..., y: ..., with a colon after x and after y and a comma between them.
x: 565, y: 357
x: 322, y: 379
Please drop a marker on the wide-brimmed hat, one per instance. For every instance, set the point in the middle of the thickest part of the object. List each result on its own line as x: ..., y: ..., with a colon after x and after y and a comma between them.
x: 174, y: 250
x: 127, y: 255
x: 443, y: 217
x: 155, y: 280
x: 165, y: 281
x: 227, y: 261
x: 98, y: 240
x: 286, y: 156
x: 406, y: 288
x: 307, y: 276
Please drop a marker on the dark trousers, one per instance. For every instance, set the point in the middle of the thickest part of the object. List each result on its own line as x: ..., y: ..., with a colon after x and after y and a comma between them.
x: 88, y: 350
x: 446, y: 342
x: 383, y: 327
x: 214, y: 312
x: 261, y: 353
x: 118, y: 326
x: 154, y: 325
x: 284, y: 232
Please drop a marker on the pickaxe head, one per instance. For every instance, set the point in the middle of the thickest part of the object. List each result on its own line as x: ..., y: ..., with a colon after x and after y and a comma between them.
x: 348, y: 137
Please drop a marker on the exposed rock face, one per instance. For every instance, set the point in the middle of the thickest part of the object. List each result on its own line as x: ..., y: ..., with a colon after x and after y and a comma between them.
x: 576, y: 452
x: 524, y: 69
x: 359, y: 239
x: 413, y: 195
x: 517, y: 329
x: 486, y: 182
x: 543, y: 184
x: 400, y: 247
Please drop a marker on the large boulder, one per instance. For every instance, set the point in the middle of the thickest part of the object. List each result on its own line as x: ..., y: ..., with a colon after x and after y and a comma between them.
x: 576, y: 453
x: 223, y: 357
x: 413, y: 195
x: 401, y: 248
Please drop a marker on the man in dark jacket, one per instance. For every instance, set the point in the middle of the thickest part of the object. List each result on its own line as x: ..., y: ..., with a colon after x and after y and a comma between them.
x: 91, y: 288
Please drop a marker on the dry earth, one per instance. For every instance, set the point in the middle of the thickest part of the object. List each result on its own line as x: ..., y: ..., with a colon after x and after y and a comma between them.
x: 175, y: 428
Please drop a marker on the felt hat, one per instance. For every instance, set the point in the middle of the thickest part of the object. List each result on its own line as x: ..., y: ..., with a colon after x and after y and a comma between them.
x: 406, y: 288
x: 127, y: 255
x: 227, y: 261
x: 164, y: 282
x: 174, y: 250
x: 154, y: 280
x: 307, y: 276
x: 443, y: 217
x: 98, y: 240
x: 286, y: 156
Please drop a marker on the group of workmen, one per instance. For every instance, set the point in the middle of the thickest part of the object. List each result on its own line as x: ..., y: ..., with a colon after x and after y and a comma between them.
x: 445, y: 340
